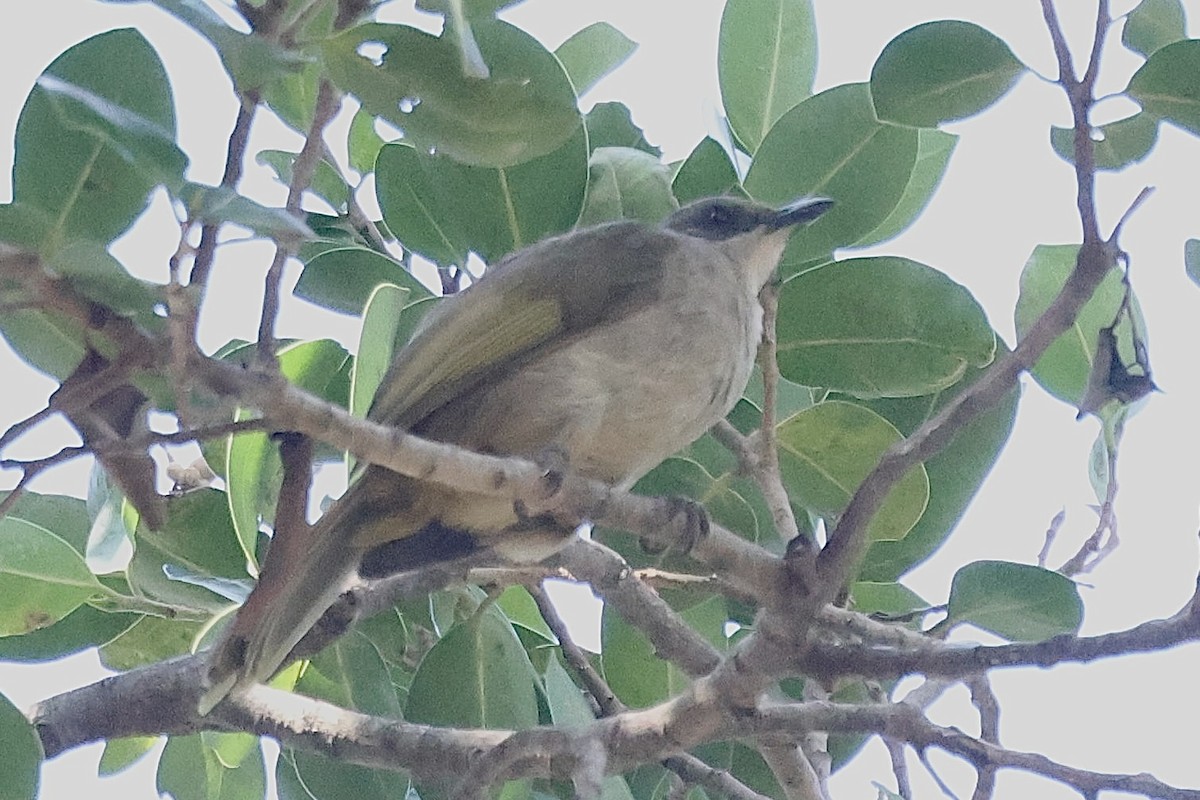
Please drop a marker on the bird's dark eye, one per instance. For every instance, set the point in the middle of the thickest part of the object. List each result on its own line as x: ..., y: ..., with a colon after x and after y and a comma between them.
x: 718, y: 215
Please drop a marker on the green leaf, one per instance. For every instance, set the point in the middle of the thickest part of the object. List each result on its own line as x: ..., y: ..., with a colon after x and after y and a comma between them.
x: 593, y: 52
x: 934, y: 148
x: 1064, y: 368
x: 568, y: 708
x: 880, y: 327
x: 78, y: 175
x: 955, y: 473
x: 293, y: 96
x: 1165, y: 85
x: 707, y: 172
x: 251, y: 60
x: 20, y: 769
x: 84, y: 627
x: 1019, y: 602
x: 611, y: 125
x: 1115, y: 145
x: 521, y: 609
x: 1191, y: 259
x: 827, y: 450
x: 93, y: 272
x: 327, y: 183
x: 624, y: 183
x: 308, y: 776
x: 149, y: 640
x: 634, y: 671
x: 342, y: 279
x: 252, y: 467
x: 65, y: 517
x: 766, y: 61
x: 472, y: 9
x: 941, y: 71
x: 199, y: 540
x: 526, y: 109
x: 351, y: 673
x: 494, y: 212
x: 221, y: 204
x: 363, y: 143
x: 42, y: 578
x: 212, y: 766
x: 477, y: 675
x: 415, y: 206
x: 381, y: 318
x: 885, y: 598
x: 120, y: 754
x: 831, y: 145
x: 143, y: 143
x: 682, y: 477
x: 46, y: 341
x: 1154, y: 24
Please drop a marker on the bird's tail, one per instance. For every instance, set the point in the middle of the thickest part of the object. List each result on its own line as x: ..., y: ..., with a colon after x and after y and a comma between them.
x: 300, y: 579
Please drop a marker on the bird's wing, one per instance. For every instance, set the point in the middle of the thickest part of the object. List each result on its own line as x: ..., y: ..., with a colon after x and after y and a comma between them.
x: 542, y: 297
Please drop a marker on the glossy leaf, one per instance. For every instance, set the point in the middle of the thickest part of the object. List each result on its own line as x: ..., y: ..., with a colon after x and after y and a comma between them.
x: 955, y: 473
x: 326, y: 184
x: 343, y: 278
x: 49, y: 342
x: 212, y: 766
x: 1165, y: 86
x: 848, y: 156
x: 707, y: 172
x: 934, y: 148
x: 252, y: 466
x: 1154, y: 24
x: 82, y: 178
x: 634, y: 671
x: 611, y: 125
x: 42, y: 578
x: 941, y: 71
x: 473, y: 9
x: 1019, y: 602
x: 381, y: 318
x: 199, y: 540
x: 120, y: 754
x: 147, y: 146
x: 219, y: 204
x: 252, y: 61
x: 1115, y: 145
x: 880, y: 327
x: 363, y: 143
x: 885, y: 598
x: 416, y: 207
x: 149, y: 640
x: 80, y: 629
x: 93, y: 272
x: 766, y: 61
x: 593, y: 52
x: 1191, y: 259
x: 477, y: 675
x: 350, y: 673
x: 526, y: 109
x: 624, y: 183
x: 499, y: 211
x: 20, y: 769
x: 65, y: 517
x: 309, y: 776
x: 826, y: 451
x: 1064, y: 368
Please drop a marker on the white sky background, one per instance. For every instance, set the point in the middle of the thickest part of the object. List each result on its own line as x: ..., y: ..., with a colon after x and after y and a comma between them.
x: 1005, y: 192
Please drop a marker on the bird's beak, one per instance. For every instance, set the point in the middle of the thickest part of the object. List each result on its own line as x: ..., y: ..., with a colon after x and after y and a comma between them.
x: 806, y: 209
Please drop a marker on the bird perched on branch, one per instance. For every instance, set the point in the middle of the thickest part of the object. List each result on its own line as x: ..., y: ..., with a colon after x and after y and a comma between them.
x: 615, y: 346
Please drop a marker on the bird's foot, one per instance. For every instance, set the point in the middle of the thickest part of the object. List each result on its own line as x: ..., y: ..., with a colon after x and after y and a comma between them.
x: 688, y: 522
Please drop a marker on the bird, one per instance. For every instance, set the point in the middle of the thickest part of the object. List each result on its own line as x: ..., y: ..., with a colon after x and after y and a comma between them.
x: 613, y: 346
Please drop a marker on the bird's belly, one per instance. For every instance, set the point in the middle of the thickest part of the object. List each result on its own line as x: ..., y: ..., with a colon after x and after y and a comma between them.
x: 615, y: 418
